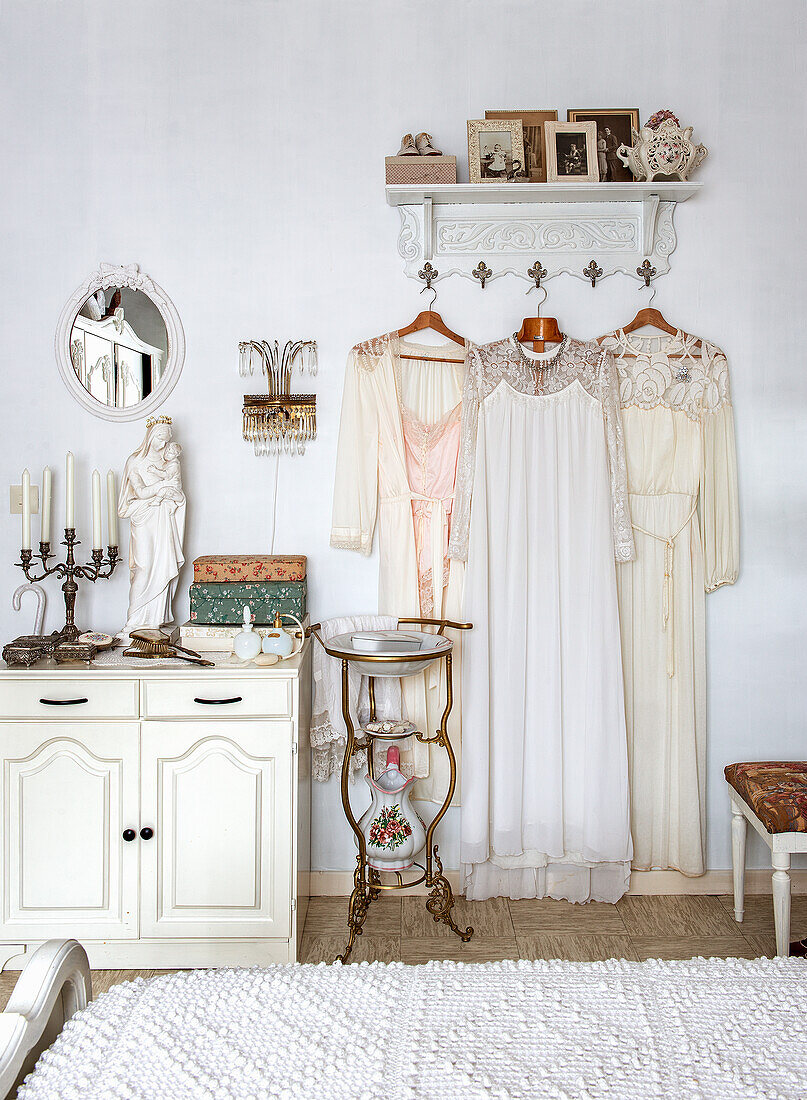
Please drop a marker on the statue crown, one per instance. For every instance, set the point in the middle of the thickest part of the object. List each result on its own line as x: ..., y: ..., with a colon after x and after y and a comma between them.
x: 152, y: 420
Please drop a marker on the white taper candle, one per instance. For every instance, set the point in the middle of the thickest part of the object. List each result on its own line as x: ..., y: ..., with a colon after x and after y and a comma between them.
x: 112, y: 510
x: 47, y: 489
x: 69, y: 493
x: 26, y: 510
x: 96, y: 510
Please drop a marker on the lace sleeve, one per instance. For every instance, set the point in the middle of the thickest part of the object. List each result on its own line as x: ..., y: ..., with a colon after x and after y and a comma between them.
x: 461, y: 512
x: 609, y: 396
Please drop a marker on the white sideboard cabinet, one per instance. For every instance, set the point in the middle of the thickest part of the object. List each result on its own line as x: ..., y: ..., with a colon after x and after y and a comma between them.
x: 160, y: 814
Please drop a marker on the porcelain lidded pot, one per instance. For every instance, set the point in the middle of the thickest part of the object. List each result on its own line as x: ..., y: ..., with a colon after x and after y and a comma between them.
x: 393, y: 832
x: 247, y: 642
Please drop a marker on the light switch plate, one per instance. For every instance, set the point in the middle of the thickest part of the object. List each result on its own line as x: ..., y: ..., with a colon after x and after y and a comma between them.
x: 15, y: 500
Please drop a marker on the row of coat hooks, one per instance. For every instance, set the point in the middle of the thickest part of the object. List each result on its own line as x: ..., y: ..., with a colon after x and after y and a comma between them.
x: 537, y: 273
x: 540, y: 331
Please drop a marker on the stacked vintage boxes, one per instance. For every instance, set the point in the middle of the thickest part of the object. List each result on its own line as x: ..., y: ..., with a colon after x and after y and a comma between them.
x: 224, y: 583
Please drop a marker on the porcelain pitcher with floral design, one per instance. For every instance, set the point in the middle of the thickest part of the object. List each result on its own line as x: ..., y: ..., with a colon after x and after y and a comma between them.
x: 393, y: 832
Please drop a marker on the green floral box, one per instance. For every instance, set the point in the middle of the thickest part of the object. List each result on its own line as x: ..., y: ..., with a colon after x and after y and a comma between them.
x: 222, y: 604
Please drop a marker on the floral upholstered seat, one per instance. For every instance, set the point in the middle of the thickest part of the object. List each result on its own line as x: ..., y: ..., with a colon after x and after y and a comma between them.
x: 776, y: 792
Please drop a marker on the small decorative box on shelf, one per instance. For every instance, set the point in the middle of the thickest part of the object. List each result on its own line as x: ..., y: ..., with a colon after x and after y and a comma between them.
x: 213, y: 568
x: 205, y: 638
x: 564, y: 225
x: 223, y: 604
x: 421, y: 170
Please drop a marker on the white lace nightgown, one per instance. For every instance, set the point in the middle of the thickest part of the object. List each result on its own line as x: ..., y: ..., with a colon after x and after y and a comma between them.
x: 396, y: 469
x: 540, y: 514
x: 682, y: 476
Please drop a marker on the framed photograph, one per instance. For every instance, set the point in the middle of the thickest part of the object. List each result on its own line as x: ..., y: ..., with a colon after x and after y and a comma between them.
x: 532, y: 124
x: 613, y: 129
x: 496, y: 150
x: 571, y: 152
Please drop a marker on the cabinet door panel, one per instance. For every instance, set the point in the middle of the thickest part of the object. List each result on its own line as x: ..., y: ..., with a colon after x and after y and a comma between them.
x: 218, y: 796
x: 68, y: 792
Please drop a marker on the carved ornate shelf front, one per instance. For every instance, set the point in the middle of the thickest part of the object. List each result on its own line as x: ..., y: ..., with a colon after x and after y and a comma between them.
x: 454, y: 226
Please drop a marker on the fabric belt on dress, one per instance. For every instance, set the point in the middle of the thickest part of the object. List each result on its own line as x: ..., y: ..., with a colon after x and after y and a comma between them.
x: 668, y: 593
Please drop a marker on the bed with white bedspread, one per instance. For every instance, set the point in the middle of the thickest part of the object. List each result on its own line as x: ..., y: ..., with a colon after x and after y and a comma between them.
x: 698, y: 1029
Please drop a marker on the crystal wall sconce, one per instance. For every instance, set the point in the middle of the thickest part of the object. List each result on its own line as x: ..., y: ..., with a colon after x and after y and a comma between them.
x: 279, y: 421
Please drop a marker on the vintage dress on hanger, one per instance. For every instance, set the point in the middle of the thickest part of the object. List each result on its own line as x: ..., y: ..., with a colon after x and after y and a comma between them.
x: 682, y: 476
x: 540, y: 514
x: 396, y: 468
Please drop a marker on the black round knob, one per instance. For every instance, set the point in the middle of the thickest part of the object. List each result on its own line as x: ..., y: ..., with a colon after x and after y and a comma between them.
x: 129, y: 834
x: 147, y: 833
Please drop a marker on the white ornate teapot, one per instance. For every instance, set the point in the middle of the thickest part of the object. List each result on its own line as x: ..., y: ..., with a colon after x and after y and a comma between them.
x: 393, y: 832
x: 664, y: 151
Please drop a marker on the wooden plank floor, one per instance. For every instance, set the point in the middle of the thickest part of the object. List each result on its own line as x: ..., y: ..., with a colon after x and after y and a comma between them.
x: 400, y: 929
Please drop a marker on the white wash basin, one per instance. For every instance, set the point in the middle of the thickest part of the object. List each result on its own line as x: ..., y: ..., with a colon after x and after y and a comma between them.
x: 431, y: 647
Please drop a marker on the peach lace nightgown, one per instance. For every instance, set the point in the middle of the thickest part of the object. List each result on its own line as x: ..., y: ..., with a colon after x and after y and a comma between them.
x: 431, y: 466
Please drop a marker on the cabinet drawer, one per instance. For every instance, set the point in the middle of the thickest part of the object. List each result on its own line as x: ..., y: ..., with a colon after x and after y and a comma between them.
x: 217, y: 698
x: 71, y: 699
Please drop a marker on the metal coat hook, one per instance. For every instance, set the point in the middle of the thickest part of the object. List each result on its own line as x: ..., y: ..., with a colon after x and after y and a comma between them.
x: 646, y: 271
x: 537, y: 273
x: 428, y: 274
x: 482, y: 272
x: 593, y: 272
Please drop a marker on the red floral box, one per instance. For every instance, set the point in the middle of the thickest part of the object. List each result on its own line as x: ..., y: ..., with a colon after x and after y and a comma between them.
x: 226, y: 568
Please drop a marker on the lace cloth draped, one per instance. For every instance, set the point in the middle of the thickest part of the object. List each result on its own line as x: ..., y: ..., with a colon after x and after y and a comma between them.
x: 328, y: 733
x: 490, y: 365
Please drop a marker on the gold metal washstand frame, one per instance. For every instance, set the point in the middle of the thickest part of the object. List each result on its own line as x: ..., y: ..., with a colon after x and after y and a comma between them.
x: 367, y: 884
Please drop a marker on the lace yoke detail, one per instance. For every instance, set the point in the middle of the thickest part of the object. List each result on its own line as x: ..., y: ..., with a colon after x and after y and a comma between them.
x: 506, y: 361
x: 576, y: 360
x: 677, y: 376
x: 368, y: 352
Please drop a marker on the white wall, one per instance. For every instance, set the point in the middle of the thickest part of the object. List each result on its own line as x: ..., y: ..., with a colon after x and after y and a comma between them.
x: 235, y: 150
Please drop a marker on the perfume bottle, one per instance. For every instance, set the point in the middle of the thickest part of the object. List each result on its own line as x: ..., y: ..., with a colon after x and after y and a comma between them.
x: 247, y: 643
x: 277, y: 640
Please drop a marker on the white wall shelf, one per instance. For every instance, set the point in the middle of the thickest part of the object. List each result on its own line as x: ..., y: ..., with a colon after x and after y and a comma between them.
x: 565, y: 225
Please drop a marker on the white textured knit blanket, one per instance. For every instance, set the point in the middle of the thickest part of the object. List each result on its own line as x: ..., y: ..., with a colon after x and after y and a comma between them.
x: 698, y: 1029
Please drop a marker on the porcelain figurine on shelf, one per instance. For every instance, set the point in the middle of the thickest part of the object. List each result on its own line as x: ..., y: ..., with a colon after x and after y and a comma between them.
x: 151, y: 497
x: 393, y: 832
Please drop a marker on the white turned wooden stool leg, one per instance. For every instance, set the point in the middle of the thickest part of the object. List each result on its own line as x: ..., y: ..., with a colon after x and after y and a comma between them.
x: 781, y: 901
x: 739, y: 826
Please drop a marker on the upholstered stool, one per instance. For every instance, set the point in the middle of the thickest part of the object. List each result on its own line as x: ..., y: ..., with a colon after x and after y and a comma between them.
x: 773, y: 797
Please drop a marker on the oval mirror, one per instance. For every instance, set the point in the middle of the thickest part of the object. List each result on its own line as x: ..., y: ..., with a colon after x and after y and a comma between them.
x: 119, y: 344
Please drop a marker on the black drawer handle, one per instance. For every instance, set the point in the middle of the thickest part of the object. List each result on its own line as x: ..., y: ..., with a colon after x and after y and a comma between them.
x: 217, y: 702
x: 128, y: 835
x: 64, y: 702
x: 147, y: 833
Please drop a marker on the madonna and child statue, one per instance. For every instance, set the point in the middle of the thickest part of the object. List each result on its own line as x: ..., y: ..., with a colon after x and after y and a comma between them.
x: 151, y: 498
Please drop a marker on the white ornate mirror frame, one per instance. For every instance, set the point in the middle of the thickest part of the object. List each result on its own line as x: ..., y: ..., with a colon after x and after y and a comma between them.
x: 106, y: 277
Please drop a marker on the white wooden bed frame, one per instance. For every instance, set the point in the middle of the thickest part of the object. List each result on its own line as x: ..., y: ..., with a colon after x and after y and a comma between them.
x: 54, y: 985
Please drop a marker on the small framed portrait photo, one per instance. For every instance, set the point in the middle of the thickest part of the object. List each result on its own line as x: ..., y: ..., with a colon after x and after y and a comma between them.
x: 614, y: 128
x: 571, y: 152
x: 496, y: 150
x: 532, y: 123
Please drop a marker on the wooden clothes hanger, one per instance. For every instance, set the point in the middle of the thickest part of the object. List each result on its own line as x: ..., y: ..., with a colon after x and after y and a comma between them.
x: 538, y: 330
x: 649, y: 316
x: 429, y: 318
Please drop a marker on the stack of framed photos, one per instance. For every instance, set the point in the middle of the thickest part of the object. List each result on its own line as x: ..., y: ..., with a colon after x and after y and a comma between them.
x: 534, y: 147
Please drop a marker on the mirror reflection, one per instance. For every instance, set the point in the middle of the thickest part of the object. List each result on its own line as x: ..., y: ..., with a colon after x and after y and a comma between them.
x: 119, y: 346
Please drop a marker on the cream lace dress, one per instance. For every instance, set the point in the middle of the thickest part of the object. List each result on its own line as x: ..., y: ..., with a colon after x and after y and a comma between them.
x: 540, y: 514
x: 395, y: 470
x: 682, y: 475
